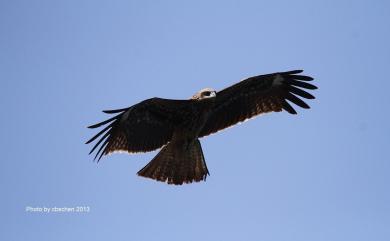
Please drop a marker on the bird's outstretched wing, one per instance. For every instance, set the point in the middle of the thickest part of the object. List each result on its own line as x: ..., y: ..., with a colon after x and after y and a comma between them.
x: 257, y: 95
x: 143, y: 127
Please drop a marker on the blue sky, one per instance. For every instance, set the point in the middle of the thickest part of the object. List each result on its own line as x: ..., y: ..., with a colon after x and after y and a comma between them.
x: 320, y: 175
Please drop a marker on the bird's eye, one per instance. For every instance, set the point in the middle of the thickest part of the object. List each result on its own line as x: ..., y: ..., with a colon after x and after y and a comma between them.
x: 206, y: 93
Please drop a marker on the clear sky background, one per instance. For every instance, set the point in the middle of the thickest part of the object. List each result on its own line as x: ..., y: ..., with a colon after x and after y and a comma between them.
x: 320, y: 175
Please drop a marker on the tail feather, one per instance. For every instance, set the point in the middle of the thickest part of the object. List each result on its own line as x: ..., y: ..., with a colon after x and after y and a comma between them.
x: 177, y: 163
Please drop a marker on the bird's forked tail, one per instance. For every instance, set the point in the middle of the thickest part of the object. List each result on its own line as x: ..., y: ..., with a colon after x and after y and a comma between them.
x: 177, y: 163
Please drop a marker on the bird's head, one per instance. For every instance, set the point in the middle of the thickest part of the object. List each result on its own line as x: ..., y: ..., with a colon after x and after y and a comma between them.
x: 206, y: 93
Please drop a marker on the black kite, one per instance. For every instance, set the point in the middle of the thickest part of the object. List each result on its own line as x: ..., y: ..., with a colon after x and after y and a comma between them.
x: 176, y: 125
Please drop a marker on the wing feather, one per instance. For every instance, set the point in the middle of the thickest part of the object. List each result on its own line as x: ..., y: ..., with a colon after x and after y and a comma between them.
x: 257, y: 95
x: 300, y: 92
x: 302, y: 77
x: 300, y: 84
x: 114, y: 111
x: 103, y: 122
x: 287, y: 107
x: 100, y: 140
x: 143, y: 127
x: 98, y: 134
x: 296, y: 101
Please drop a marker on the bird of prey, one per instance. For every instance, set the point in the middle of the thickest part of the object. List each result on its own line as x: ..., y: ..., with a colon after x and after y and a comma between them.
x: 177, y: 125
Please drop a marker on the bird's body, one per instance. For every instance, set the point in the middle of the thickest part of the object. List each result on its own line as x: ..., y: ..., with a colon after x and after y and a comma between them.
x: 193, y: 118
x: 176, y: 125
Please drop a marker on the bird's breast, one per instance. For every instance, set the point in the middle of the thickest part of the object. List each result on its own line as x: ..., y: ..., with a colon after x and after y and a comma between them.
x: 193, y: 121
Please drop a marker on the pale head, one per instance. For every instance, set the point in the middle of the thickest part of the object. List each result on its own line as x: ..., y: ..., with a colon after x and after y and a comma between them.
x: 205, y: 94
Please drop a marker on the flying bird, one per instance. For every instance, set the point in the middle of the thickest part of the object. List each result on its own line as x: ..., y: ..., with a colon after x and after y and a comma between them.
x: 177, y: 125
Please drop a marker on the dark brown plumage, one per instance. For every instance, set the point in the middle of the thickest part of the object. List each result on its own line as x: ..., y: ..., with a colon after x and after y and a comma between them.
x: 176, y: 125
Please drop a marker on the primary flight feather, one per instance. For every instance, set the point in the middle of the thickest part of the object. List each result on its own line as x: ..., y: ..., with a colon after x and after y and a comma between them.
x: 176, y: 125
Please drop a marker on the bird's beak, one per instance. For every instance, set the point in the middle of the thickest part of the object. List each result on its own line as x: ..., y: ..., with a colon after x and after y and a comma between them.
x: 213, y: 94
